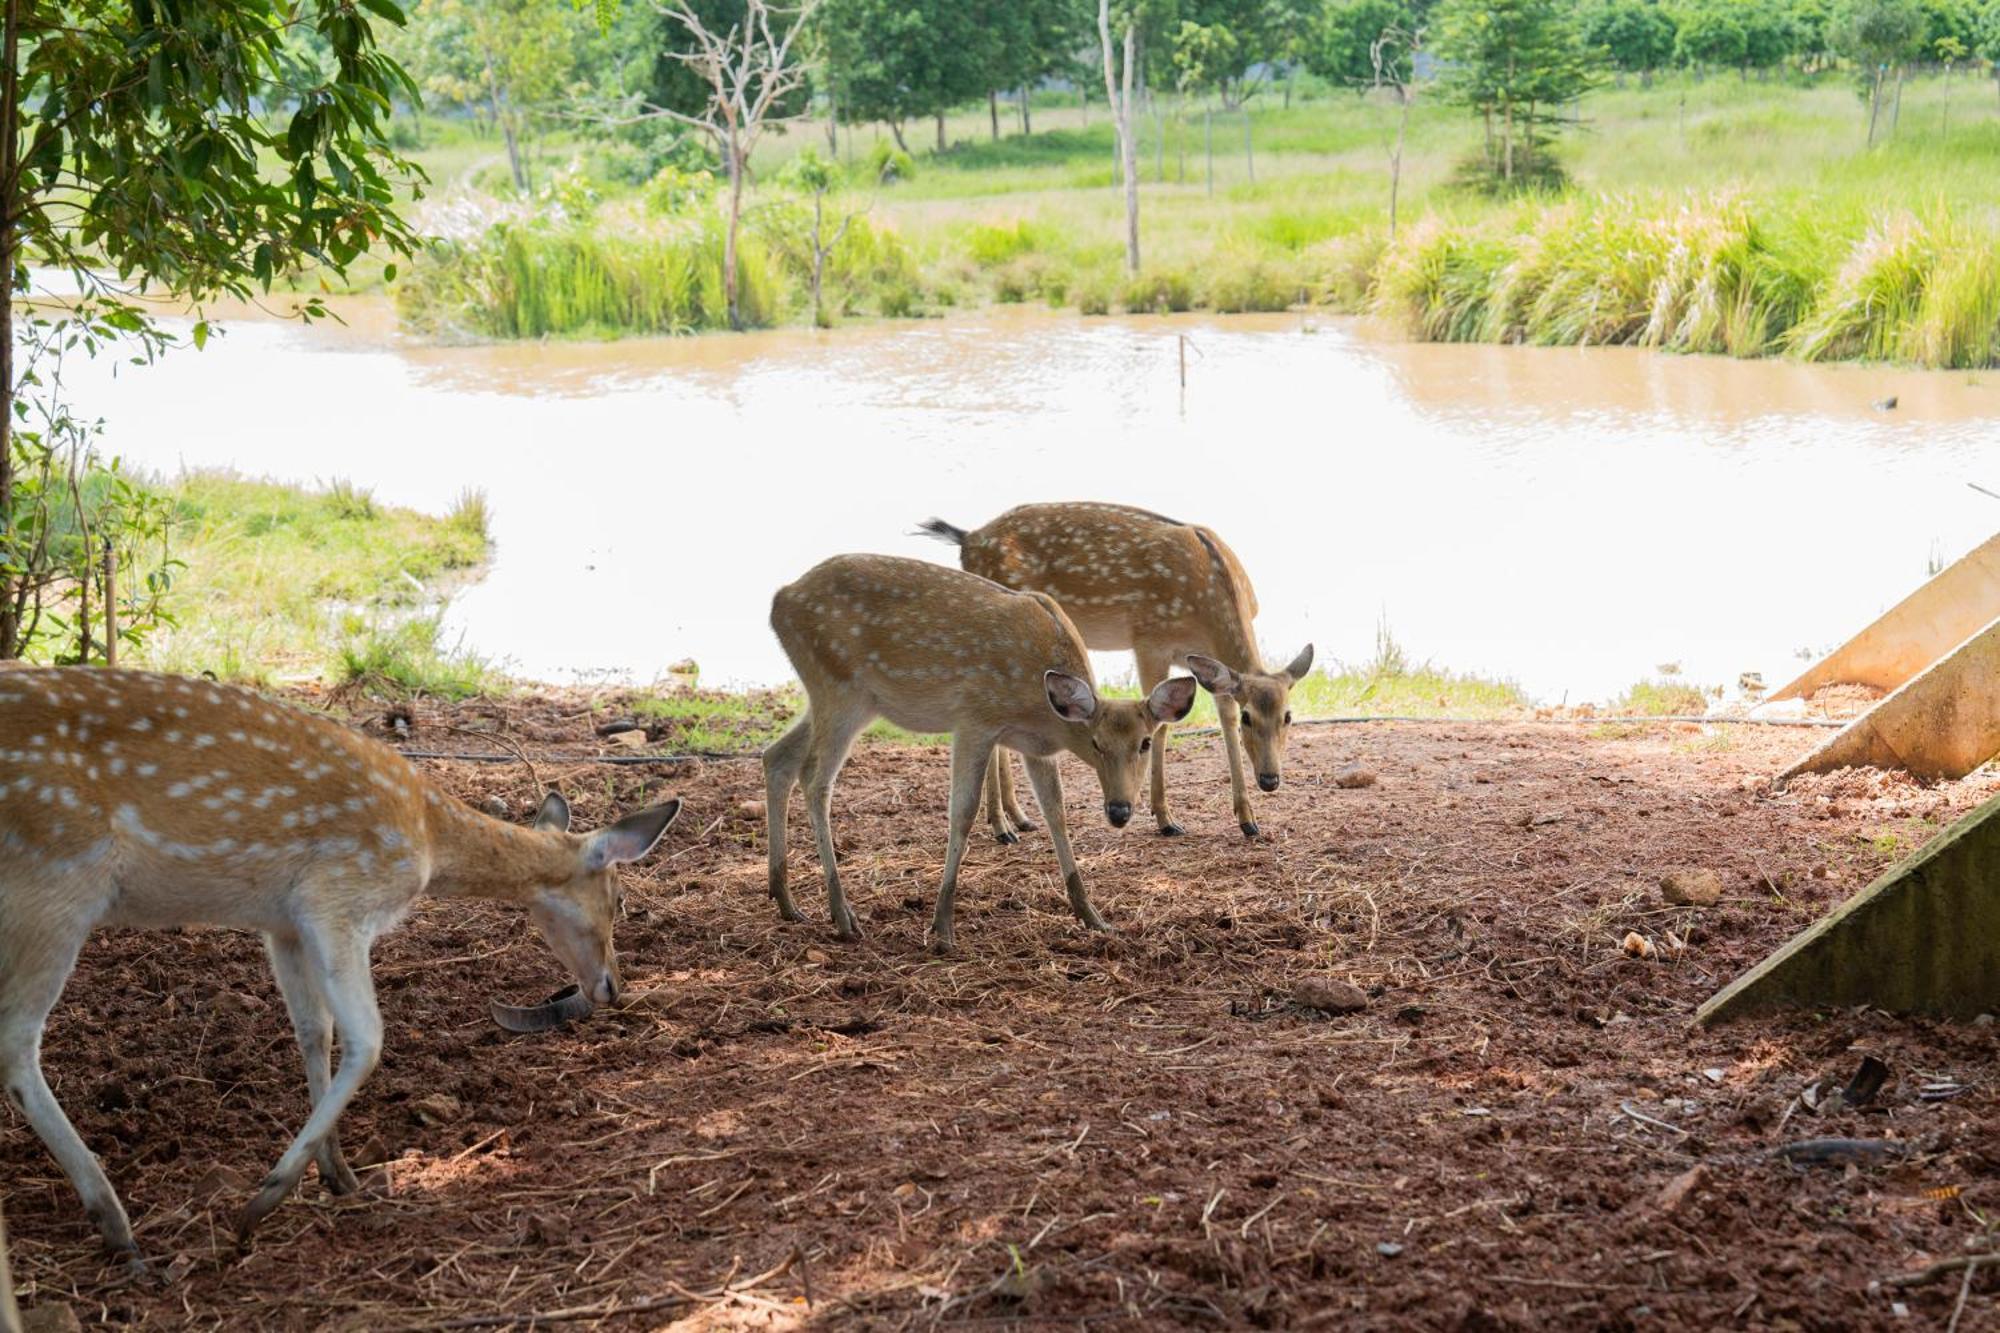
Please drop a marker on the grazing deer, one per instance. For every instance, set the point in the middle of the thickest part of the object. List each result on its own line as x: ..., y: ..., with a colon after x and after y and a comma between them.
x: 1172, y: 593
x: 138, y: 800
x: 933, y: 649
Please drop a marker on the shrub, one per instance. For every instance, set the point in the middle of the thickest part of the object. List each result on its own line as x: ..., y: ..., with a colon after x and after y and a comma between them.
x: 1161, y: 291
x: 889, y: 164
x: 1240, y: 284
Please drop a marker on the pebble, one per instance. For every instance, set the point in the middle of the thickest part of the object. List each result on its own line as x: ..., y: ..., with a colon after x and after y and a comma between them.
x: 1691, y: 888
x: 1329, y: 995
x: 1354, y: 775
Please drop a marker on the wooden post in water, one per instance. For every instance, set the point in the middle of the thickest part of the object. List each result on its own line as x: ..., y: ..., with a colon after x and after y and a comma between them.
x: 110, y: 604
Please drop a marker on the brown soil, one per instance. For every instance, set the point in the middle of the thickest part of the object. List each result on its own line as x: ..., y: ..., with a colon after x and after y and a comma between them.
x: 1053, y: 1128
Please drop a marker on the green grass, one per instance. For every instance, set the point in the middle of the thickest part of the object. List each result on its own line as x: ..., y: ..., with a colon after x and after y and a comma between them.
x: 408, y: 656
x: 278, y: 578
x: 1662, y: 698
x: 1705, y: 215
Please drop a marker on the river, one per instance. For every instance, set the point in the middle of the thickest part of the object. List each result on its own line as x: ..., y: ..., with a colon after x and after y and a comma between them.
x: 1570, y: 518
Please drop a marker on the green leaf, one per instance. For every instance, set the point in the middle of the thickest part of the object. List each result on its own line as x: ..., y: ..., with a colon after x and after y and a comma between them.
x: 200, y: 334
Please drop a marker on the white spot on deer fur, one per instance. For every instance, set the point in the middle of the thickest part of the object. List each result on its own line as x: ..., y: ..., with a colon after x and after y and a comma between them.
x: 147, y: 770
x: 142, y: 724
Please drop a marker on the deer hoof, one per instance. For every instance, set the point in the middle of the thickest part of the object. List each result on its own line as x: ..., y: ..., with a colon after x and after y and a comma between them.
x: 1250, y: 828
x: 1005, y: 837
x: 1024, y: 825
x: 1171, y: 830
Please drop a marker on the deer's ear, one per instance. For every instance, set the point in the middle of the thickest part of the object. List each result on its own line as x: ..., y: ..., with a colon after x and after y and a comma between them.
x: 1073, y: 697
x: 1296, y: 669
x: 1216, y: 678
x: 630, y: 838
x: 1171, y: 700
x: 554, y: 813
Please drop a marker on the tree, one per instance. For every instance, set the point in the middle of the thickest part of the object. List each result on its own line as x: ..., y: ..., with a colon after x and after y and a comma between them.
x: 1636, y: 36
x: 1373, y: 44
x: 1711, y: 36
x: 1878, y: 35
x: 512, y: 56
x: 1513, y: 62
x: 750, y: 72
x: 894, y: 59
x: 197, y: 149
x: 1120, y: 100
x: 811, y: 174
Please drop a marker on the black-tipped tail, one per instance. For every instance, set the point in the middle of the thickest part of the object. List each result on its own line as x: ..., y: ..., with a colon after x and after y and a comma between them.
x: 943, y: 531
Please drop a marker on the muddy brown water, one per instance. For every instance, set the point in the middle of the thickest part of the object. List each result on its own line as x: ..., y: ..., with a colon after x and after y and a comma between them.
x: 1571, y: 518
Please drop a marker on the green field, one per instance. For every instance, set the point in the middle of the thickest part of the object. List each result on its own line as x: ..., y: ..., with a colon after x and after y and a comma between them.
x: 1758, y: 197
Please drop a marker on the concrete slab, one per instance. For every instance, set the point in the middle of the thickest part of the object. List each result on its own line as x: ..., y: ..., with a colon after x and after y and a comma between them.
x: 1922, y: 939
x: 1916, y: 631
x: 1941, y: 724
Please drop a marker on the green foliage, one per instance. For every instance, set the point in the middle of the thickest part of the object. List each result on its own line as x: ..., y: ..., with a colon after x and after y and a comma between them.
x: 889, y: 164
x: 673, y: 191
x: 263, y: 563
x: 1341, y: 48
x: 1636, y: 36
x: 410, y: 658
x: 1662, y: 698
x: 1158, y: 292
x: 1514, y: 63
x: 539, y: 280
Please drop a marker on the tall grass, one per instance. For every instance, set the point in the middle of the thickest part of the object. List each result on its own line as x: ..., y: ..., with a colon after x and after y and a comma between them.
x: 1703, y: 275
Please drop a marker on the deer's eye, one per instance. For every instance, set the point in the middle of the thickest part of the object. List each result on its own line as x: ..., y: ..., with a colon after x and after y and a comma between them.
x: 1145, y: 744
x: 1288, y: 717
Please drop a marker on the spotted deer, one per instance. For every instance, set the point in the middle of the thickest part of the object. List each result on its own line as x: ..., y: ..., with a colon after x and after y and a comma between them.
x: 1171, y: 592
x: 150, y: 801
x: 933, y: 649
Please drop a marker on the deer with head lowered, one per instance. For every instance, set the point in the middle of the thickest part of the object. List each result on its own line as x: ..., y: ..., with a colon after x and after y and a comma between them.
x: 149, y: 801
x: 1171, y: 592
x: 933, y: 649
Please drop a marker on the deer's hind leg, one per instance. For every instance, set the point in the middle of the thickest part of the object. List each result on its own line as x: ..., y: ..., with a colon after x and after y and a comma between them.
x: 36, y: 957
x: 784, y: 760
x: 1003, y: 809
x: 315, y: 1033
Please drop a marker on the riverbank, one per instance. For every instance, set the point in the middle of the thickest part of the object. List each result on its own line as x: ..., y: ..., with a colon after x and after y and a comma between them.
x: 1717, y: 215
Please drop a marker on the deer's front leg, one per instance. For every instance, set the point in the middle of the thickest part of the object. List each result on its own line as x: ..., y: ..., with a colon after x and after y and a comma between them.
x: 1227, y: 710
x: 1048, y: 793
x: 1154, y: 666
x: 970, y: 758
x: 315, y: 1033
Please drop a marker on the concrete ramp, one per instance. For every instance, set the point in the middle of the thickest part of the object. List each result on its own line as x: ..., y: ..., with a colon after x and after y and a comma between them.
x: 1942, y: 723
x: 1922, y: 939
x: 1915, y: 632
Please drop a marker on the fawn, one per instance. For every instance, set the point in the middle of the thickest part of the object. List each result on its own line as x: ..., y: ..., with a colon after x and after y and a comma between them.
x: 151, y: 801
x: 1172, y: 593
x: 934, y: 649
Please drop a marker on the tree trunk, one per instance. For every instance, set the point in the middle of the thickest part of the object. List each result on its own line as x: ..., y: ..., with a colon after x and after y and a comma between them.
x: 10, y: 127
x: 819, y: 257
x: 1896, y: 111
x: 832, y: 124
x: 735, y: 157
x: 1027, y: 126
x: 993, y: 110
x: 1249, y: 157
x: 1121, y: 119
x: 896, y: 129
x: 940, y: 124
x: 1507, y: 143
x: 1874, y: 104
x: 1396, y: 161
x: 506, y: 124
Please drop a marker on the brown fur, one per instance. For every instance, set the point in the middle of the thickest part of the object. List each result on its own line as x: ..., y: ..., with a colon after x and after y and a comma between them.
x: 1171, y: 592
x: 934, y: 649
x: 149, y: 801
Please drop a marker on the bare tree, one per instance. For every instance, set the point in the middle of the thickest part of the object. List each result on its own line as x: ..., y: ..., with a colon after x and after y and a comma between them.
x: 1399, y: 73
x: 750, y: 71
x: 1121, y: 118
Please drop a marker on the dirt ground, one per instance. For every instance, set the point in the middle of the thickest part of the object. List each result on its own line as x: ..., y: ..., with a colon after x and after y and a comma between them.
x: 1054, y: 1129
